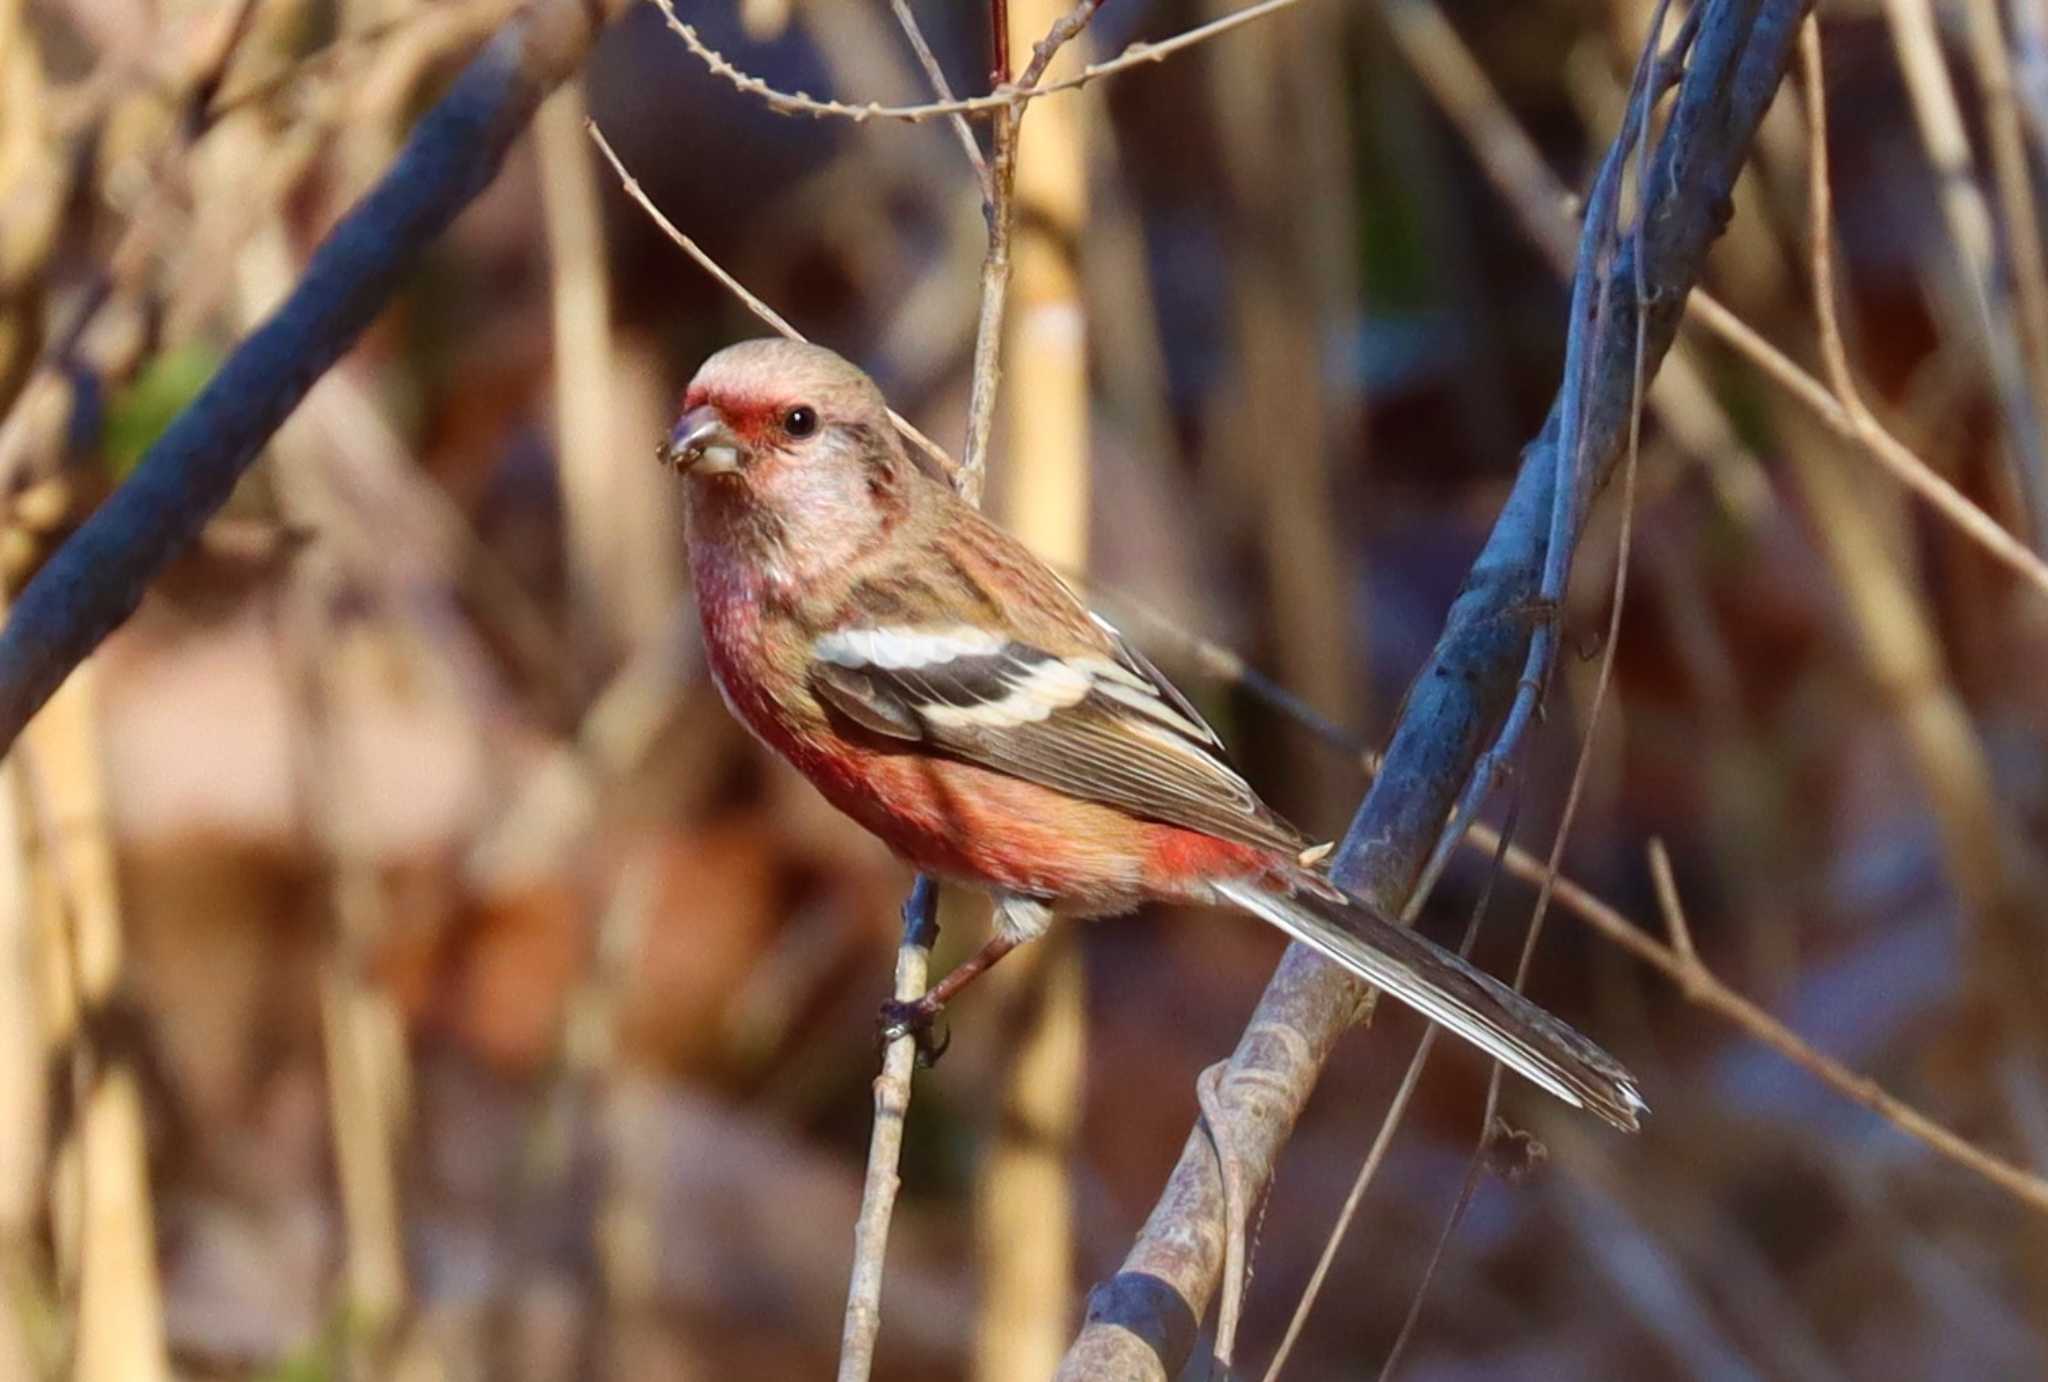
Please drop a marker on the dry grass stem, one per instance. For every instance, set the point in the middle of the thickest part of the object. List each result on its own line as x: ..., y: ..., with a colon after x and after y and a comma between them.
x: 1024, y: 1207
x: 1917, y: 41
x: 1677, y: 960
x: 1880, y: 445
x: 2016, y: 196
x: 1668, y: 904
x: 602, y: 579
x: 102, y: 1206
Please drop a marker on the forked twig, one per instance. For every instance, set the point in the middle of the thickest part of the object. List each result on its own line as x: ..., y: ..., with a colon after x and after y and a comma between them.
x: 1137, y: 1322
x: 1001, y: 99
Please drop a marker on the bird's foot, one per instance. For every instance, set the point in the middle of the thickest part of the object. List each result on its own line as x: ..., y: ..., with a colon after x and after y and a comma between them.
x: 917, y: 1020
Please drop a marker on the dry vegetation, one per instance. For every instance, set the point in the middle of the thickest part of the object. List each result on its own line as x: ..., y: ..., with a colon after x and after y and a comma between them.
x: 407, y: 969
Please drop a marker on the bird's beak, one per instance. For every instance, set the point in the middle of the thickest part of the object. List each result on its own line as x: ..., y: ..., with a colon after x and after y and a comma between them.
x: 702, y: 444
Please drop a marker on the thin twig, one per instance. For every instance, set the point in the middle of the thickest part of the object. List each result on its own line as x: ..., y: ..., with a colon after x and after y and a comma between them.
x: 1884, y: 448
x: 1704, y: 989
x: 892, y: 1088
x: 2010, y: 165
x: 774, y: 319
x: 1938, y: 115
x: 1677, y: 960
x: 998, y: 42
x: 1667, y: 901
x: 1850, y: 416
x: 1001, y: 99
x: 885, y: 1144
x: 988, y: 334
x: 995, y: 267
x: 936, y: 75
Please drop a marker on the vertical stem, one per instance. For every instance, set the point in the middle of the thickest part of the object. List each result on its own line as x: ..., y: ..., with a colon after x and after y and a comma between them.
x: 2010, y: 164
x: 885, y: 1145
x: 1023, y: 1196
x: 892, y: 1087
x: 1917, y: 41
x: 104, y: 1201
x: 995, y: 287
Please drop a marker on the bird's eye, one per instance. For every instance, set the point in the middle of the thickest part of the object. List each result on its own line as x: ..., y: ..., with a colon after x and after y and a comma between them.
x: 800, y: 421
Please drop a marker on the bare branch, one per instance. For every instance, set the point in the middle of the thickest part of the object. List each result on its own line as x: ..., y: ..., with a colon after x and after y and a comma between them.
x: 1704, y: 989
x: 1677, y: 961
x: 995, y: 268
x: 1141, y: 1323
x: 936, y: 75
x: 98, y: 576
x: 885, y: 1143
x: 1001, y: 99
x: 774, y: 319
x: 1939, y: 117
x: 1884, y: 448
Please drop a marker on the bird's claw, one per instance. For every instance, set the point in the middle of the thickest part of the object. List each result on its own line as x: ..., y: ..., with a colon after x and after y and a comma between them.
x: 918, y: 1021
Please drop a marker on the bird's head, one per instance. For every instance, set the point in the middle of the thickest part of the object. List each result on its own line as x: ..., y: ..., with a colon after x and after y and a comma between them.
x: 786, y: 438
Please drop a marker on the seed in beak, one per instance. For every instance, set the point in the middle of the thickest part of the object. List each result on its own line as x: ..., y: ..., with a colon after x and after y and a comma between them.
x: 702, y: 444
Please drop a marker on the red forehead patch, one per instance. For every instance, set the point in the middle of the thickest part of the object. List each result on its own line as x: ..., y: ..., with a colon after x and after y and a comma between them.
x: 751, y: 417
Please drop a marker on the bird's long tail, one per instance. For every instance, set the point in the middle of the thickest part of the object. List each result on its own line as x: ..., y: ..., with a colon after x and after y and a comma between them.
x: 1447, y: 990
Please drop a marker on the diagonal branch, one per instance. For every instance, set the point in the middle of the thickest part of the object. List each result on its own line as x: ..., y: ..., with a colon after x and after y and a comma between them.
x: 97, y: 578
x: 1143, y: 1322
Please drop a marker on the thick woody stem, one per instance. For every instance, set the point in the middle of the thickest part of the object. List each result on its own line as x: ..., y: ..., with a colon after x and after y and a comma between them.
x: 1143, y: 1323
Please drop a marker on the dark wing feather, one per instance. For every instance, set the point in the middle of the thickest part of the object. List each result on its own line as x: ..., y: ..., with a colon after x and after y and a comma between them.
x: 1106, y: 728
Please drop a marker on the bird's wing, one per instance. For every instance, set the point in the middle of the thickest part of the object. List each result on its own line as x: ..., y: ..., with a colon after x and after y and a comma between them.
x: 1101, y: 723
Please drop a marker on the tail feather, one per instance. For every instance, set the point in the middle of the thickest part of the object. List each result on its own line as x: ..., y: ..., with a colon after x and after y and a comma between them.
x: 1447, y: 990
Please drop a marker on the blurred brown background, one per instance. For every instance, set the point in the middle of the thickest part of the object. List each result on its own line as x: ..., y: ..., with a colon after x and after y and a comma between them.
x: 496, y: 1009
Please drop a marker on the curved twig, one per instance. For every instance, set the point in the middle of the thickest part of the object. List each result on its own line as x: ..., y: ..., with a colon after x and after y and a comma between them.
x: 1005, y: 97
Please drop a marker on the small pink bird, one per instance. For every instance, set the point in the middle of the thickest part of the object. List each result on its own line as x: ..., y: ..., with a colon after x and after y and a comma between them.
x: 940, y: 685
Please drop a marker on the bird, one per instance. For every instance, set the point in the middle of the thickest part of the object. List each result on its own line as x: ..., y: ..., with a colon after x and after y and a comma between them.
x: 946, y: 689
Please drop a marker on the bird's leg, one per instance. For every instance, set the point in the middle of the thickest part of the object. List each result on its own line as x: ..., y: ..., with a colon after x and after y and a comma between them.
x: 916, y: 1018
x: 1018, y: 919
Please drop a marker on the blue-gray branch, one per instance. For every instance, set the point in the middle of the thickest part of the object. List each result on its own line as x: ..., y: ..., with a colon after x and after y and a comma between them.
x: 97, y: 578
x: 1738, y: 59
